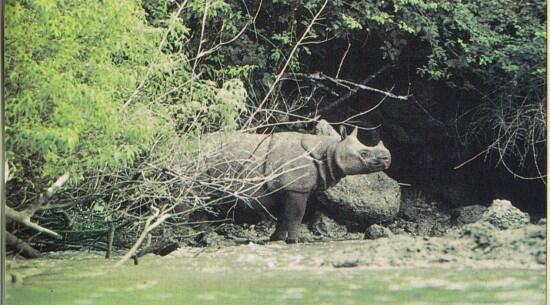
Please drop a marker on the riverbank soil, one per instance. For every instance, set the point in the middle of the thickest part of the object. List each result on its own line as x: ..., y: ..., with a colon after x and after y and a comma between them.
x: 452, y: 257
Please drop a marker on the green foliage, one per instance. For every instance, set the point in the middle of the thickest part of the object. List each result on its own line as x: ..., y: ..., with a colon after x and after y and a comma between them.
x: 351, y: 23
x: 66, y: 78
x: 491, y: 38
x: 72, y: 67
x: 157, y: 11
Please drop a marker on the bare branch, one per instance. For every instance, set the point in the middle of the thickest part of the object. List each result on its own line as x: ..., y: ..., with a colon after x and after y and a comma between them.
x: 158, y: 218
x: 173, y: 22
x: 24, y: 216
x: 364, y: 112
x: 350, y: 93
x: 347, y: 84
x: 342, y: 60
x: 287, y: 63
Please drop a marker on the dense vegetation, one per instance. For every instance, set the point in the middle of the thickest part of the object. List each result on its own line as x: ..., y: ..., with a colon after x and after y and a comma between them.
x: 107, y: 91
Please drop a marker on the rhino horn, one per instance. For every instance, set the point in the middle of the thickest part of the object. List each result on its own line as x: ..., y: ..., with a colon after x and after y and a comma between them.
x: 380, y: 144
x: 354, y: 133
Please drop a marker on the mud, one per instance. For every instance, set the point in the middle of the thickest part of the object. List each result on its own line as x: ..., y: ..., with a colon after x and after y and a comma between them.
x: 273, y: 274
x: 424, y: 234
x: 473, y: 245
x: 476, y: 263
x: 429, y: 254
x: 230, y: 234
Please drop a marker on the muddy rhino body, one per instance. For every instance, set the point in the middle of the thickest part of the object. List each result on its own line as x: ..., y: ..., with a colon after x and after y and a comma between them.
x: 277, y: 173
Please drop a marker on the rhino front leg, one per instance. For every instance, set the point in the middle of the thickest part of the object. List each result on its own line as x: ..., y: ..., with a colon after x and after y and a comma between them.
x: 294, y: 207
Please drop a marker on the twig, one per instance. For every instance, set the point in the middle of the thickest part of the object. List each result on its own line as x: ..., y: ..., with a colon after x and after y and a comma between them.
x: 173, y: 22
x: 111, y: 239
x: 366, y: 111
x: 345, y: 83
x: 290, y: 56
x: 350, y: 93
x: 201, y: 38
x: 149, y: 225
x: 342, y: 60
x: 474, y: 157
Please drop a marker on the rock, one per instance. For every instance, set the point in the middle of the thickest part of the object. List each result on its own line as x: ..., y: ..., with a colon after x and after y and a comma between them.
x: 213, y: 239
x: 483, y: 234
x: 421, y: 217
x: 540, y: 257
x: 377, y: 231
x: 467, y: 214
x: 503, y: 215
x: 361, y: 200
x: 349, y: 263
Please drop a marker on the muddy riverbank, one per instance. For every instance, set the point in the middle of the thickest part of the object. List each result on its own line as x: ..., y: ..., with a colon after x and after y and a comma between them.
x: 477, y: 255
x: 399, y: 270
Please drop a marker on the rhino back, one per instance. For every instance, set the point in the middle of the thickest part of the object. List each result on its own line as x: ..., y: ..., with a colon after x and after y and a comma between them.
x: 239, y: 155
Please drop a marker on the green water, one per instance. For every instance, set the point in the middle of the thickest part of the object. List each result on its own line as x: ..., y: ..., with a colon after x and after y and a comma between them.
x: 173, y: 280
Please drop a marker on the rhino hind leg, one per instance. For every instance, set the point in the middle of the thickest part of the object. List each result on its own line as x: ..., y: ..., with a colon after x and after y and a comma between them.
x: 290, y: 217
x: 281, y: 229
x: 281, y: 226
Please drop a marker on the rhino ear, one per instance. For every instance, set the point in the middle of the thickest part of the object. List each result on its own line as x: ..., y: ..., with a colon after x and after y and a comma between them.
x: 343, y: 132
x: 354, y: 133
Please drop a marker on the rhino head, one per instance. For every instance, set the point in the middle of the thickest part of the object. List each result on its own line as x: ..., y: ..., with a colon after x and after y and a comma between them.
x: 354, y: 158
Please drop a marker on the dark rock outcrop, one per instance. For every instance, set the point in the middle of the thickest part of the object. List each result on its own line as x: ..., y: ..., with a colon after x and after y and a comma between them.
x: 503, y: 215
x: 467, y: 214
x: 377, y: 231
x: 362, y: 200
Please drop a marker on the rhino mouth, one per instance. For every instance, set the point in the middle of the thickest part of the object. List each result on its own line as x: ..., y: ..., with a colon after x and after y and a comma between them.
x: 380, y: 167
x: 377, y: 166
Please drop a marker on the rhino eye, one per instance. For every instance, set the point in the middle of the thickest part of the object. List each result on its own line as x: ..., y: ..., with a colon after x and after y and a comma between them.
x: 365, y: 153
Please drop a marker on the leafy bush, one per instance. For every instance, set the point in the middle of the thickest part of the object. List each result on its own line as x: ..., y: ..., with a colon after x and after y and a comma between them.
x: 72, y: 73
x: 66, y: 78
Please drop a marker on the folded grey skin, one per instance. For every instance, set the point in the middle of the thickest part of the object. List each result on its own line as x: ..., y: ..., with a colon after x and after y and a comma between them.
x: 276, y: 173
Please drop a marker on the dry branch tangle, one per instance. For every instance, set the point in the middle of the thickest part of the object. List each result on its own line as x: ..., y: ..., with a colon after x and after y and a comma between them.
x: 24, y: 216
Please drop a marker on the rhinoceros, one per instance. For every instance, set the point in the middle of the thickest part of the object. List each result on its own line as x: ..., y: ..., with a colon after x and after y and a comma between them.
x: 278, y: 172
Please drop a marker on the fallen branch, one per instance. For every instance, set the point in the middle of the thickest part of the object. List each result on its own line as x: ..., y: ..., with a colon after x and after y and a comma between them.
x: 22, y: 248
x: 350, y: 93
x: 24, y: 216
x: 158, y: 218
x: 347, y: 84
